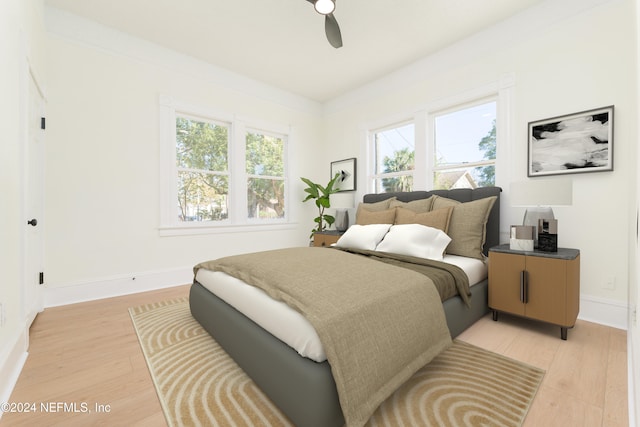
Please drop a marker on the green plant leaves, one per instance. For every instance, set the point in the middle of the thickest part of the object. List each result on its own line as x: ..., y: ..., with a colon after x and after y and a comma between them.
x: 321, y: 195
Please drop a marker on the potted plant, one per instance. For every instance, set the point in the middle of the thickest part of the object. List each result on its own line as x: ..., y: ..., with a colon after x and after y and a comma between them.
x: 321, y: 195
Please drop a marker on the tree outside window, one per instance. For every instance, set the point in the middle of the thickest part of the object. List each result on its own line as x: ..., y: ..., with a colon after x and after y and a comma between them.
x: 202, y: 161
x: 465, y: 147
x: 395, y: 158
x: 219, y: 172
x: 265, y: 175
x: 402, y: 160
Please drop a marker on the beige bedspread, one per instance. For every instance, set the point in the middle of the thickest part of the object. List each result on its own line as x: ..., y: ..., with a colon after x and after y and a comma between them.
x: 450, y: 280
x: 378, y: 323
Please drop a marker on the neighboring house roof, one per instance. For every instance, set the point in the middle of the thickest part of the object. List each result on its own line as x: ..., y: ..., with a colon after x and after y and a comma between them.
x: 456, y: 179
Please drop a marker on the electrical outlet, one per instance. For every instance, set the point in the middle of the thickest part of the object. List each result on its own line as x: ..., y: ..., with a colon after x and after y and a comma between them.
x: 610, y: 283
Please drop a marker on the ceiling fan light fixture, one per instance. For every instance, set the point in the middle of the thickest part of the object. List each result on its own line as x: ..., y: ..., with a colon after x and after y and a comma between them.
x: 324, y: 7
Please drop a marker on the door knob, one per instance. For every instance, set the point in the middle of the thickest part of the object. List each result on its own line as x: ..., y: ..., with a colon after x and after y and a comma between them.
x: 33, y: 222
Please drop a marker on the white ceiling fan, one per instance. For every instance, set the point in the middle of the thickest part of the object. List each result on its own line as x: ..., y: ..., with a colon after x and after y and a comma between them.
x: 331, y: 28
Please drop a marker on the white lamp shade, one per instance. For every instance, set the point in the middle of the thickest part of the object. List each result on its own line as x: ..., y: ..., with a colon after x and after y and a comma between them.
x: 541, y: 193
x: 342, y: 200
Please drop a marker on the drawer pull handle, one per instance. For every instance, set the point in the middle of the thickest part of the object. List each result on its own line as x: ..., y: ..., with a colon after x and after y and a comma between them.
x: 524, y: 287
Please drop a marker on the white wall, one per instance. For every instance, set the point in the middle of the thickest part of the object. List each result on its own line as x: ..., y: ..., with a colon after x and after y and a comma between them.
x: 103, y: 168
x: 562, y: 62
x: 633, y: 334
x: 21, y: 32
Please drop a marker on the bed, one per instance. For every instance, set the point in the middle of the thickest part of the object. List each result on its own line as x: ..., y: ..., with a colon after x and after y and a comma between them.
x: 304, y: 388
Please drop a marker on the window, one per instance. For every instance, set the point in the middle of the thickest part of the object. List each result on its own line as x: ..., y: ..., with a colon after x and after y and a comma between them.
x: 265, y: 175
x: 220, y: 173
x: 449, y: 143
x: 202, y: 162
x: 465, y: 147
x: 394, y: 153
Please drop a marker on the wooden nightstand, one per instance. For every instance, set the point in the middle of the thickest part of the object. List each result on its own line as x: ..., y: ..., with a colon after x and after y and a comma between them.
x: 326, y: 238
x: 538, y: 285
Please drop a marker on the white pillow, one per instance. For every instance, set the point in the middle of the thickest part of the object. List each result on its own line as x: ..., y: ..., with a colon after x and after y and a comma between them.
x: 363, y: 236
x: 415, y: 240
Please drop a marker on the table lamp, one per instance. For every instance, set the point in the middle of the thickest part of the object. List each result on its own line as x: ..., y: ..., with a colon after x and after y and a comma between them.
x: 342, y: 202
x: 538, y: 196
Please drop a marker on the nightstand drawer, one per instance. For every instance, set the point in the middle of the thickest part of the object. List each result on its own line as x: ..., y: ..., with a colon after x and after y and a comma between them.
x: 326, y: 238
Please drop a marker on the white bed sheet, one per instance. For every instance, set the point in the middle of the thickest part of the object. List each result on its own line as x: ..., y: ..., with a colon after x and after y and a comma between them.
x: 285, y: 323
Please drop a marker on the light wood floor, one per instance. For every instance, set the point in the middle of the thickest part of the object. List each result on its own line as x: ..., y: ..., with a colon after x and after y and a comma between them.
x: 586, y: 376
x: 89, y: 354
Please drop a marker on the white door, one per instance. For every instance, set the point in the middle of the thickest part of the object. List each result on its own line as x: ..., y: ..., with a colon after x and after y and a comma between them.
x: 32, y: 301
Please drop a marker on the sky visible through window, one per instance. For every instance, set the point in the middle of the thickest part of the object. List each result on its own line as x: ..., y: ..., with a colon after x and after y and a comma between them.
x: 457, y: 135
x: 395, y: 139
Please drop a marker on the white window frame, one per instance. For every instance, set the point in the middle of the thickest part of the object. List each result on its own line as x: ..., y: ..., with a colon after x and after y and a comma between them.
x: 373, y: 160
x: 226, y: 173
x: 237, y: 220
x: 277, y: 132
x: 432, y: 138
x: 502, y: 91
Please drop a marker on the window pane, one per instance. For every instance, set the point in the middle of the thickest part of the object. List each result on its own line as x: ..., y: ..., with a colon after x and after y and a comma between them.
x: 395, y: 149
x: 265, y: 158
x: 465, y: 136
x: 201, y: 145
x: 471, y: 177
x: 396, y: 183
x: 266, y: 198
x: 202, y: 196
x: 265, y: 155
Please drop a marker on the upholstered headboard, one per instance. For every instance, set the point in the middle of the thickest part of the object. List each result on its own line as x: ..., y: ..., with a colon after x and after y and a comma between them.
x: 461, y: 195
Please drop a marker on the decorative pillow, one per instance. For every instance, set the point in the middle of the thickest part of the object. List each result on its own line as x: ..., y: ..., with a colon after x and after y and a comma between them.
x: 373, y: 207
x: 468, y: 225
x: 366, y: 217
x: 419, y: 206
x: 415, y: 240
x: 438, y: 218
x: 363, y: 236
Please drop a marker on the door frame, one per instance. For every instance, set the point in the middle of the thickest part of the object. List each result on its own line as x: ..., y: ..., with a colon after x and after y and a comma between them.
x: 29, y: 309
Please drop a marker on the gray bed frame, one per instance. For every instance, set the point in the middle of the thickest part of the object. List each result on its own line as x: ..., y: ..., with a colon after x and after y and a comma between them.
x: 303, y: 389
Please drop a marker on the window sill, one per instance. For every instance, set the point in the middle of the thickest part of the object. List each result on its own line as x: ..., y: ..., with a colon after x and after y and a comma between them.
x: 199, y: 229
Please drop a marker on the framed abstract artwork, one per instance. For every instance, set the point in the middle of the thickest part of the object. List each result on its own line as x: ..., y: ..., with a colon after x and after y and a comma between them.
x: 575, y: 143
x: 347, y: 170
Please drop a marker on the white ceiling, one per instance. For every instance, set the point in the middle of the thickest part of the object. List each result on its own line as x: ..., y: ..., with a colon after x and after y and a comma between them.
x: 282, y: 42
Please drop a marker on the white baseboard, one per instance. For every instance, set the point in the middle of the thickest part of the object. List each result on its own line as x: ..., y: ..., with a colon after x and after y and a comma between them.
x: 12, y: 359
x: 604, y: 311
x: 55, y: 295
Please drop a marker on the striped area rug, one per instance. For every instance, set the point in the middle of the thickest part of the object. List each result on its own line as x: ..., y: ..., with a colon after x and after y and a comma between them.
x: 198, y: 384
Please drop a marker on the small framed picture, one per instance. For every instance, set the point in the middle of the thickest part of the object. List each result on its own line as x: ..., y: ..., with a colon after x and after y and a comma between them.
x: 347, y: 170
x: 575, y: 143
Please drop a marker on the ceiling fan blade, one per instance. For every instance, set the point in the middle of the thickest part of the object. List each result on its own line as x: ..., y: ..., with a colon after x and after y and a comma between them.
x: 332, y: 30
